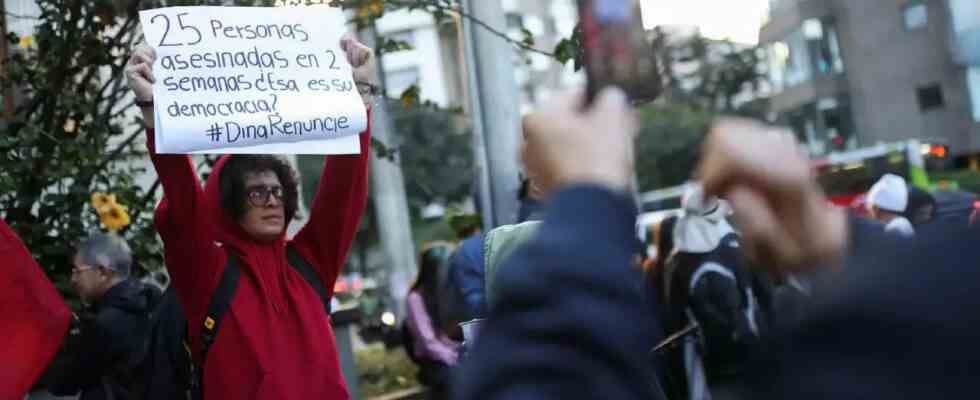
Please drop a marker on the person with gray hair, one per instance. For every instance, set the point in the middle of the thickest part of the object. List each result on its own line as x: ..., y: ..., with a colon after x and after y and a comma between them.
x: 101, y: 262
x: 113, y: 328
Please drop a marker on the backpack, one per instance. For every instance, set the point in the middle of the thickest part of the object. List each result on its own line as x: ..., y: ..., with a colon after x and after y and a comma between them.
x: 168, y: 370
x: 160, y: 372
x: 134, y: 377
x: 722, y: 350
x: 727, y: 349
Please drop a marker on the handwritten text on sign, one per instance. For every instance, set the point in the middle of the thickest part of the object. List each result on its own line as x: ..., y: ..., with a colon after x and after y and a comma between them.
x: 229, y: 77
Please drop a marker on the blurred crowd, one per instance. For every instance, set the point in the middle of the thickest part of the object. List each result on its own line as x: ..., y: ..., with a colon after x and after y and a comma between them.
x: 758, y: 288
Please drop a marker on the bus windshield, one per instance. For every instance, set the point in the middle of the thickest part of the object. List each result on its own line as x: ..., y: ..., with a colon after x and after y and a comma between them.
x: 857, y: 177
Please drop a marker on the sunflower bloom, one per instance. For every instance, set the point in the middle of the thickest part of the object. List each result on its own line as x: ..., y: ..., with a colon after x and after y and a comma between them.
x: 115, y: 218
x: 26, y: 41
x: 373, y: 9
x: 103, y: 202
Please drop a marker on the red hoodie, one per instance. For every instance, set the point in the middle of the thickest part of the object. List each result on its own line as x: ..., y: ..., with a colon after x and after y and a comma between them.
x: 275, y: 341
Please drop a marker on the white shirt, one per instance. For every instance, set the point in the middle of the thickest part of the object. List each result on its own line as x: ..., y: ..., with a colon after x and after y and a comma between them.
x: 900, y: 226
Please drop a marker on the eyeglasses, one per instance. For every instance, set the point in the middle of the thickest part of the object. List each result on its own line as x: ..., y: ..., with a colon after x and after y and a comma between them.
x: 79, y: 270
x: 259, y: 196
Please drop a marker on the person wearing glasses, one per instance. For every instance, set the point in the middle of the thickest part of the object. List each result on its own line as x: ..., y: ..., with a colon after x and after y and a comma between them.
x: 108, y: 343
x: 275, y: 339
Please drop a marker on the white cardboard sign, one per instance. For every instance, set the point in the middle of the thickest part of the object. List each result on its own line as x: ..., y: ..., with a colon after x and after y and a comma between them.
x: 253, y: 79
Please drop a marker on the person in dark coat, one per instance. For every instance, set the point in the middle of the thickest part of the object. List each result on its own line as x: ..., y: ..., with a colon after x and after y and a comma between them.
x: 570, y: 323
x: 110, y: 343
x: 571, y: 317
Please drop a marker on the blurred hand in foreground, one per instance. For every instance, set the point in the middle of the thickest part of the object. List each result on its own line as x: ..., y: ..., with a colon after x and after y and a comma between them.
x: 786, y: 222
x: 566, y: 145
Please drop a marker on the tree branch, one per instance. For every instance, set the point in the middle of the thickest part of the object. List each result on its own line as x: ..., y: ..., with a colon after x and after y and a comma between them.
x: 22, y: 16
x: 150, y: 194
x: 459, y: 10
x: 119, y: 149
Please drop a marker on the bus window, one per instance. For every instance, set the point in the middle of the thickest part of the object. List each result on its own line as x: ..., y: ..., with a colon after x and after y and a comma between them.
x: 669, y: 203
x: 857, y: 177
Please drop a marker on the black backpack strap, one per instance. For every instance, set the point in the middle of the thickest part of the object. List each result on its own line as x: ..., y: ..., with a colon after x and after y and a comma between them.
x: 220, y: 301
x: 309, y: 274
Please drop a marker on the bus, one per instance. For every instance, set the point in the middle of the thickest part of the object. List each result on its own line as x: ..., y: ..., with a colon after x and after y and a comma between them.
x: 845, y: 176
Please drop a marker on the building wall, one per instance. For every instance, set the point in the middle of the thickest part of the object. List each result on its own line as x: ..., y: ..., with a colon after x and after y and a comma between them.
x: 424, y: 62
x: 438, y: 58
x: 885, y: 65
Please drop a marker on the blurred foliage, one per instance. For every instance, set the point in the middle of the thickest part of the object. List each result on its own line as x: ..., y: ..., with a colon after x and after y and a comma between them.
x: 435, y: 152
x: 381, y: 370
x: 668, y: 143
x: 966, y: 179
x: 65, y: 137
x: 704, y: 79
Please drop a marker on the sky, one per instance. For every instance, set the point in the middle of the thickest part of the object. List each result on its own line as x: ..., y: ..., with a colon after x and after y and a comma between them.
x: 738, y: 20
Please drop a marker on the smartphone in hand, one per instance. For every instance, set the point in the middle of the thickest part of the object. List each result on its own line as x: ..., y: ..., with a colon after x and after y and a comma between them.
x: 617, y: 51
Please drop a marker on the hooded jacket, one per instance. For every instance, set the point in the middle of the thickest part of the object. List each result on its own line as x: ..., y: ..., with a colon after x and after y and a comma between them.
x: 275, y: 340
x: 109, y: 344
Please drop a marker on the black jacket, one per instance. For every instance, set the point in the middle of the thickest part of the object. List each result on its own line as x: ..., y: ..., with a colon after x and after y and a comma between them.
x: 897, y: 322
x: 110, y: 344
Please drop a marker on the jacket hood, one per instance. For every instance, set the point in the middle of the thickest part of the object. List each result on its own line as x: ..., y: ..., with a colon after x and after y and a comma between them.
x: 703, y: 224
x: 228, y: 231
x: 262, y: 259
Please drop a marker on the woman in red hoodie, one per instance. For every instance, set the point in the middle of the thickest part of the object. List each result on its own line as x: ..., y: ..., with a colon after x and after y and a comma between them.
x: 275, y: 340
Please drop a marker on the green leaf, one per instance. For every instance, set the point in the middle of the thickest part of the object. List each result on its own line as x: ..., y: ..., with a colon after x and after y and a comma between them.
x: 528, y: 37
x: 410, y: 96
x: 391, y: 46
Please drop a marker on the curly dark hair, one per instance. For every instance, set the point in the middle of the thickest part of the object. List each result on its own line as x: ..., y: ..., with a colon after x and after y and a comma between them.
x: 232, y: 183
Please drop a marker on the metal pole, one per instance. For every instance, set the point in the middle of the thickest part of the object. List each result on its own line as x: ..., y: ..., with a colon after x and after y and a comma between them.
x: 8, y: 93
x: 390, y: 201
x: 494, y: 93
x: 471, y: 92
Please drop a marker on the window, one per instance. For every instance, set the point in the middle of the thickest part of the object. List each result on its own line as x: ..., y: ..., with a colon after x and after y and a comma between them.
x: 915, y: 15
x: 973, y: 86
x: 821, y: 39
x: 790, y: 61
x: 515, y: 21
x: 833, y: 47
x: 930, y: 97
x: 407, y: 36
x: 401, y: 79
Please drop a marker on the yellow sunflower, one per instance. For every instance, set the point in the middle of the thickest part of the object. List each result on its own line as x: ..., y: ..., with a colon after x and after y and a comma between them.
x: 26, y: 41
x: 115, y: 218
x: 102, y: 202
x: 373, y: 9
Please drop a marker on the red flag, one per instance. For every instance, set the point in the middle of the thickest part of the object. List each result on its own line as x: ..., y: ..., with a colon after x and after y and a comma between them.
x: 33, y: 317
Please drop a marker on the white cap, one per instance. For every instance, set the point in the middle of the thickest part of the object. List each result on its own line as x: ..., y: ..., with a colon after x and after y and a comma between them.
x: 889, y: 193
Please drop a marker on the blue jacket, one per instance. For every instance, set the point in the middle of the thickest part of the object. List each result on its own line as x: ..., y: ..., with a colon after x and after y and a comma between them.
x: 467, y: 272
